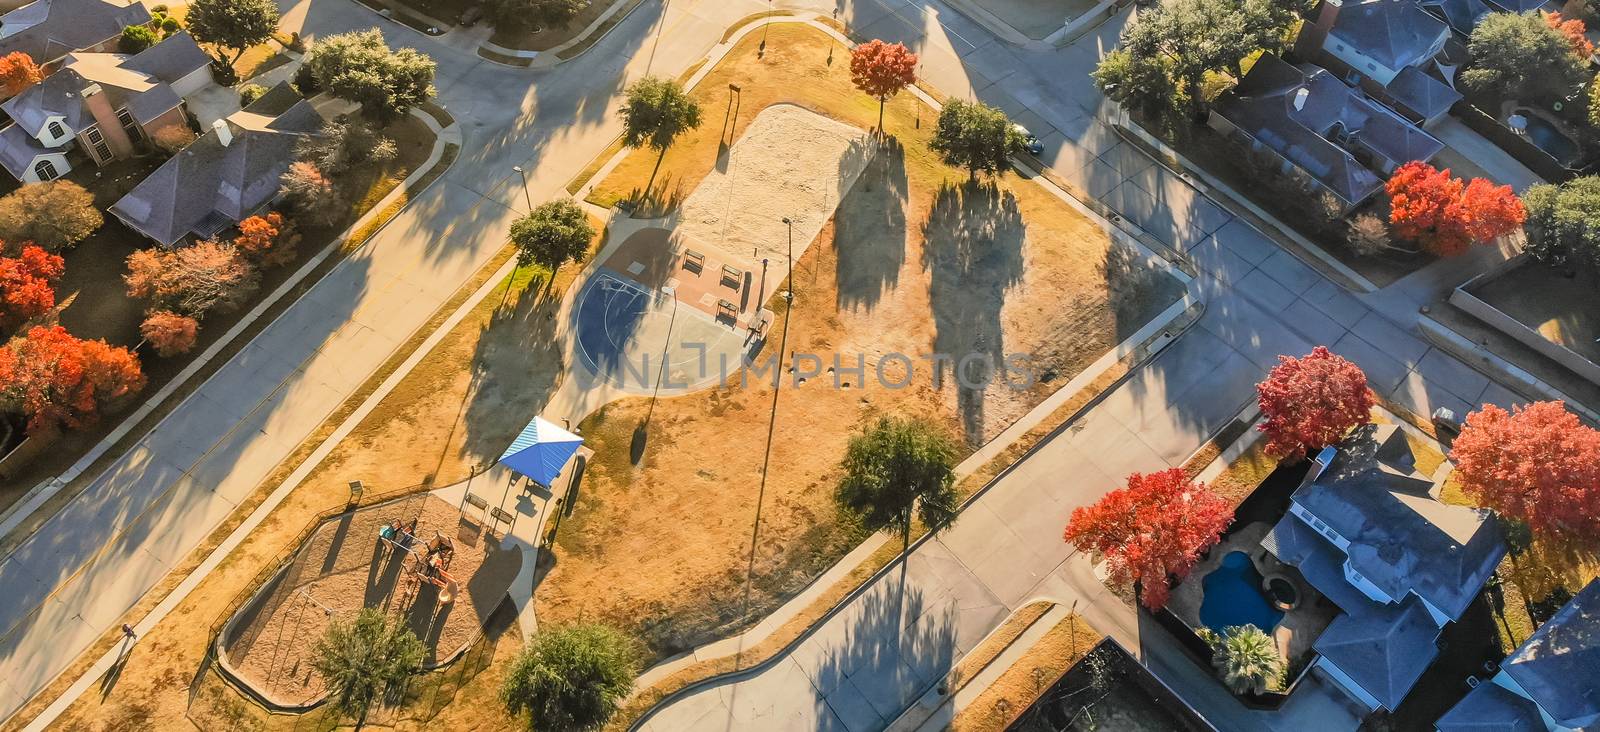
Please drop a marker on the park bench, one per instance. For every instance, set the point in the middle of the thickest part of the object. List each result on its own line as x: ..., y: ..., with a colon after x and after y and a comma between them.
x: 732, y: 276
x: 694, y: 261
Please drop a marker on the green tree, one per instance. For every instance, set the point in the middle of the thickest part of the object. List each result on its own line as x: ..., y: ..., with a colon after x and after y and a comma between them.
x: 655, y: 113
x: 524, y: 14
x: 136, y: 38
x: 1164, y: 56
x: 552, y: 235
x: 55, y: 215
x: 570, y: 678
x: 897, y: 466
x: 1564, y: 221
x: 1519, y: 55
x: 366, y: 661
x: 360, y: 67
x: 1247, y: 659
x: 975, y: 136
x: 233, y: 24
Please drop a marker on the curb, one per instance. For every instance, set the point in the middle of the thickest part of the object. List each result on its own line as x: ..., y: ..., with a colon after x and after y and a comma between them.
x: 19, y: 512
x: 535, y: 59
x: 167, y: 604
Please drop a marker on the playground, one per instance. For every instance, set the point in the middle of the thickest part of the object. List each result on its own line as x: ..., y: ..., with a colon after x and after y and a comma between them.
x: 419, y: 558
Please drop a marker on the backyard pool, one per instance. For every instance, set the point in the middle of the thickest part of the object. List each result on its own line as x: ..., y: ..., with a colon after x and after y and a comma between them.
x: 1233, y: 596
x: 1549, y: 137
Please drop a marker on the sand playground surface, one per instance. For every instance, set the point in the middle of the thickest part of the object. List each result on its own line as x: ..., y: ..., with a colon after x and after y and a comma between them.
x: 344, y: 567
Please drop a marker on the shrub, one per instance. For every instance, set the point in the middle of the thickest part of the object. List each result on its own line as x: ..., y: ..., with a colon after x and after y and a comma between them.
x: 1247, y: 659
x: 136, y: 38
x: 1368, y: 235
x: 172, y: 138
x: 169, y: 333
x: 311, y: 194
x: 249, y: 93
x: 305, y: 81
x: 570, y: 678
x: 55, y: 215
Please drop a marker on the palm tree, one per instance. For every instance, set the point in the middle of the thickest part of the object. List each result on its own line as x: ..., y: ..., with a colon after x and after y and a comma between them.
x: 656, y: 112
x: 570, y: 678
x: 365, y: 661
x: 1247, y: 659
x: 895, y: 466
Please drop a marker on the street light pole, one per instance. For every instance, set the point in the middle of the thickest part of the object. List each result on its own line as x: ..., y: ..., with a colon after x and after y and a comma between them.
x: 772, y: 419
x: 525, y: 193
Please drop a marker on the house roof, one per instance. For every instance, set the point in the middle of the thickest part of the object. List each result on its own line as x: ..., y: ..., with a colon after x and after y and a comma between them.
x: 1322, y: 125
x: 1384, y: 648
x: 1402, y: 538
x: 1461, y: 15
x: 1558, y: 666
x: 49, y: 29
x: 18, y: 150
x: 1420, y: 95
x: 1395, y: 33
x: 1491, y: 708
x: 208, y: 185
x: 175, y: 57
x: 1519, y: 6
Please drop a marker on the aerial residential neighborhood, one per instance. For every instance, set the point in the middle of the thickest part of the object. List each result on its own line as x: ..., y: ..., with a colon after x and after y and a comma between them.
x: 912, y: 365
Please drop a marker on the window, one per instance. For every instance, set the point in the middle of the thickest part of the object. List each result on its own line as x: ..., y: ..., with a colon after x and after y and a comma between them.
x: 56, y: 130
x: 97, y: 143
x: 125, y: 119
x: 46, y: 170
x: 1338, y: 46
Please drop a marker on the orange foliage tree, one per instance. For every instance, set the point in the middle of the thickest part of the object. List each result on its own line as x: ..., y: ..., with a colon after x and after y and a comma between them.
x: 169, y: 333
x: 1152, y: 531
x: 1572, y: 30
x: 1311, y: 402
x: 267, y: 239
x: 55, y: 380
x: 25, y: 280
x: 881, y: 70
x: 1538, y: 464
x: 1447, y: 215
x: 18, y: 72
x: 192, y: 280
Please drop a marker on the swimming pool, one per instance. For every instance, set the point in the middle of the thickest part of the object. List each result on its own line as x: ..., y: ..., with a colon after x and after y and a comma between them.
x: 1549, y: 137
x: 1233, y: 596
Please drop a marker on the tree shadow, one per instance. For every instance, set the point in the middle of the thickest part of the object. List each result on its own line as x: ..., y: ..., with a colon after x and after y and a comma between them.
x: 516, y: 365
x: 869, y: 233
x: 973, y: 251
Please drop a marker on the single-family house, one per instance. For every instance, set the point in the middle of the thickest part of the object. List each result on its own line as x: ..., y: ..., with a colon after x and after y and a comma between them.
x: 1370, y: 534
x: 1387, y: 48
x: 108, y: 105
x: 47, y: 30
x: 1551, y: 682
x: 225, y: 176
x: 1309, y: 121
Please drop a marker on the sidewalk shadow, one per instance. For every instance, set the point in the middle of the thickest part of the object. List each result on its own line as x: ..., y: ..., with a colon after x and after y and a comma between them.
x: 973, y: 251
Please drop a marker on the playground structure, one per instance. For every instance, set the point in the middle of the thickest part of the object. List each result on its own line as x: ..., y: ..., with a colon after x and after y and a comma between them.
x: 444, y: 587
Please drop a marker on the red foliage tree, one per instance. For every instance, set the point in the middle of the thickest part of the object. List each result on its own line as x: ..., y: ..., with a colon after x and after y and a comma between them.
x: 881, y: 70
x: 1573, y: 31
x: 1537, y: 464
x: 25, y: 280
x: 169, y: 332
x: 18, y: 72
x: 1151, y: 531
x: 56, y: 380
x: 1447, y: 215
x: 1311, y: 402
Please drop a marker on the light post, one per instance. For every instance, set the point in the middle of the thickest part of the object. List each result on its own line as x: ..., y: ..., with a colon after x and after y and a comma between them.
x: 525, y: 194
x: 761, y: 50
x: 772, y: 419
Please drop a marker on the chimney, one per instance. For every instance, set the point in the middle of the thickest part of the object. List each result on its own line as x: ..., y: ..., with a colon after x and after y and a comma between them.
x: 224, y: 133
x: 1315, y: 33
x: 1300, y: 98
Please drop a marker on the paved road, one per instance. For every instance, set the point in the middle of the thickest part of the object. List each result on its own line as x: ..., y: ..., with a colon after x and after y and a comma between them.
x: 72, y: 579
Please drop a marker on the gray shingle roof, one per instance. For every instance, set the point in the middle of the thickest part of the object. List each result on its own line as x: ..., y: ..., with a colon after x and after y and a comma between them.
x: 1559, y: 666
x: 1401, y: 537
x: 1519, y: 6
x: 1461, y: 15
x: 18, y: 150
x: 208, y: 186
x: 1385, y: 649
x: 1396, y: 33
x: 49, y: 29
x: 172, y: 59
x: 1421, y: 95
x: 1491, y: 708
x: 1333, y: 129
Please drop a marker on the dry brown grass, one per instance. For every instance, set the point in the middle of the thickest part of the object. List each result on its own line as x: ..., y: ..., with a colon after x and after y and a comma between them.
x: 996, y: 643
x: 1030, y: 676
x: 661, y: 547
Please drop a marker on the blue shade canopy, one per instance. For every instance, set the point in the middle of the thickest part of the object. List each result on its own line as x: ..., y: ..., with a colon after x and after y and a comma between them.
x: 541, y: 451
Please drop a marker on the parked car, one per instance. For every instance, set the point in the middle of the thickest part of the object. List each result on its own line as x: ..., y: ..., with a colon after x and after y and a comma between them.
x: 1029, y: 141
